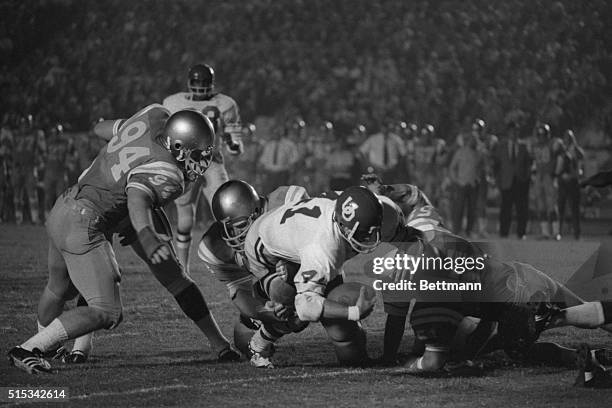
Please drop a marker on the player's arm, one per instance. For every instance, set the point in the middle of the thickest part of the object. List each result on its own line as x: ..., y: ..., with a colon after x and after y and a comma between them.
x: 139, y: 206
x: 232, y: 130
x: 107, y: 128
x: 311, y: 305
x: 150, y: 186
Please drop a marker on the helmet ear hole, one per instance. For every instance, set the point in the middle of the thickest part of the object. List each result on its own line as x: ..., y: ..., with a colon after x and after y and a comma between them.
x: 178, y: 145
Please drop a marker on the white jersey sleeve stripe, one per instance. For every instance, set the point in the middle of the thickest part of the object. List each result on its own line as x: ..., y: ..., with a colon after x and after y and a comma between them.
x: 141, y: 187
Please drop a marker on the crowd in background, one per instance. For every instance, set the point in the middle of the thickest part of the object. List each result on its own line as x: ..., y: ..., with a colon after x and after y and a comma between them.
x: 327, y: 83
x: 525, y: 174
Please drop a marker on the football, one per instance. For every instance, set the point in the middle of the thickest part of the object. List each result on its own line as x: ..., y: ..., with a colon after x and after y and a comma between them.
x: 348, y: 293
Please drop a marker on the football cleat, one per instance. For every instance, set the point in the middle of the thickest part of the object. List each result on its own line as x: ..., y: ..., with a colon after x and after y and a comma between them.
x: 29, y: 361
x: 547, y: 316
x: 259, y: 361
x: 228, y: 355
x: 55, y: 354
x: 465, y: 368
x: 603, y: 356
x: 591, y: 373
x: 74, y: 357
x: 262, y: 359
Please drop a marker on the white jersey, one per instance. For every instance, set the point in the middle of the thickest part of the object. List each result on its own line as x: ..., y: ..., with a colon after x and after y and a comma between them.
x: 222, y: 261
x: 303, y: 233
x: 220, y: 109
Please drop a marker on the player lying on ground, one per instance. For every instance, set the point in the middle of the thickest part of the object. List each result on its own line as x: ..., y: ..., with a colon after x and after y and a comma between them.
x: 515, y: 295
x: 208, y: 325
x: 295, y: 252
x: 142, y: 168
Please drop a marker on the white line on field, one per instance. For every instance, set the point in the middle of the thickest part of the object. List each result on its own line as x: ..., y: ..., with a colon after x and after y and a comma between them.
x: 348, y: 372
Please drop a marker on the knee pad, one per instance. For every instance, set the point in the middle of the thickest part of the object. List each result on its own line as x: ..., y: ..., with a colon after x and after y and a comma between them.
x: 348, y: 339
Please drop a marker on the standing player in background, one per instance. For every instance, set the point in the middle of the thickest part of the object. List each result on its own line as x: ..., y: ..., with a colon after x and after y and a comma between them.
x: 23, y: 175
x: 480, y: 133
x: 545, y: 151
x: 568, y: 171
x: 225, y: 117
x: 55, y: 177
x: 6, y: 154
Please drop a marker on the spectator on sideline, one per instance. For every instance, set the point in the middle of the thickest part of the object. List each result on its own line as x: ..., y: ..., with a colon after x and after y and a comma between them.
x: 568, y: 172
x: 385, y: 153
x: 465, y: 172
x: 512, y: 167
x: 277, y: 159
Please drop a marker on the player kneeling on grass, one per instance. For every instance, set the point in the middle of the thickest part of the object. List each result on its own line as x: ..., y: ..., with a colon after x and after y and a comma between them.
x: 295, y: 252
x: 142, y: 168
x: 317, y: 236
x: 236, y: 205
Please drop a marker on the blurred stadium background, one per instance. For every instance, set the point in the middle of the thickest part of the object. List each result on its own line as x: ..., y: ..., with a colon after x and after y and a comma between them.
x: 294, y: 68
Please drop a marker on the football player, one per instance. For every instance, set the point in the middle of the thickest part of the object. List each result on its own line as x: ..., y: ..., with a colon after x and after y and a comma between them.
x: 23, y: 174
x: 545, y: 151
x: 516, y: 295
x: 142, y: 168
x: 223, y: 113
x: 236, y: 205
x: 311, y: 240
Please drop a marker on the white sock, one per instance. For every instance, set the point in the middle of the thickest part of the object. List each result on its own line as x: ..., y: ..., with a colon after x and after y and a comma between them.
x: 40, y: 326
x: 259, y: 343
x: 84, y: 343
x: 51, y: 335
x: 587, y: 315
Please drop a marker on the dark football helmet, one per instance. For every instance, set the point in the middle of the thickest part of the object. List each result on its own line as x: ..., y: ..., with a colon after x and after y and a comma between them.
x: 358, y: 215
x: 201, y: 81
x: 236, y: 205
x: 190, y: 137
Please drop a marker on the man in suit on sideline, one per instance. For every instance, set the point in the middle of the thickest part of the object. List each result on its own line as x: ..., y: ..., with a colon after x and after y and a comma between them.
x: 512, y: 166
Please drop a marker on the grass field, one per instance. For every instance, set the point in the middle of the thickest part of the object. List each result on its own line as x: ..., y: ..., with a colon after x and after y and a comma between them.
x: 157, y: 357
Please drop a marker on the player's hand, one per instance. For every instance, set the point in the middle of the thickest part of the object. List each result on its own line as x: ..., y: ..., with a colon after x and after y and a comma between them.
x: 160, y: 255
x: 365, y: 305
x: 155, y: 248
x: 281, y: 311
x: 272, y: 312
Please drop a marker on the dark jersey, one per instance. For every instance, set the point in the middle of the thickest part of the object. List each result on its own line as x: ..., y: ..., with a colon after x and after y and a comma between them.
x: 133, y: 158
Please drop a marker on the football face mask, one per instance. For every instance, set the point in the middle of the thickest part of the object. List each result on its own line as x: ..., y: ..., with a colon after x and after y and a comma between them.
x: 235, y: 231
x: 195, y: 162
x: 361, y: 241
